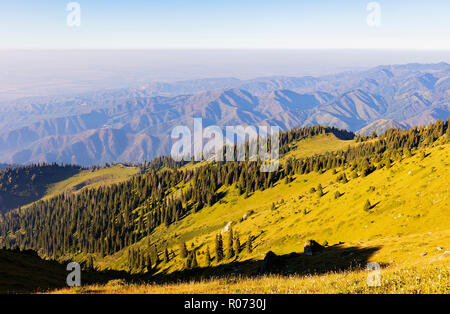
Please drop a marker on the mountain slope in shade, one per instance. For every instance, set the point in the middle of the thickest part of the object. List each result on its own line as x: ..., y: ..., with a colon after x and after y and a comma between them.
x: 25, y: 272
x: 380, y: 126
x: 23, y: 185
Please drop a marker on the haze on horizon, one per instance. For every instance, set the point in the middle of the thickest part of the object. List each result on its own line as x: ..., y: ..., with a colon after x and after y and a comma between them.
x: 127, y: 43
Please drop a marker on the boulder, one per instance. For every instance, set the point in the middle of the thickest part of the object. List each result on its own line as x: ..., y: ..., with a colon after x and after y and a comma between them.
x: 270, y: 264
x: 311, y: 247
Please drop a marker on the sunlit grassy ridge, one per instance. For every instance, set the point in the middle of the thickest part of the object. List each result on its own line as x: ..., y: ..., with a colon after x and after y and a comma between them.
x: 407, y: 224
x: 406, y: 229
x: 317, y: 145
x: 92, y: 179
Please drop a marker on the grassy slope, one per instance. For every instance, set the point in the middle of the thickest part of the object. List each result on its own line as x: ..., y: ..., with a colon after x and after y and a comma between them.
x: 407, y: 231
x: 30, y: 184
x: 411, y: 216
x: 91, y: 179
x: 307, y: 147
x: 434, y: 278
x: 318, y: 145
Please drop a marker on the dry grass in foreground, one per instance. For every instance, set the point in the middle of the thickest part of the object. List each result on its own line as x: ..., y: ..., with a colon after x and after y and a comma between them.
x: 413, y: 280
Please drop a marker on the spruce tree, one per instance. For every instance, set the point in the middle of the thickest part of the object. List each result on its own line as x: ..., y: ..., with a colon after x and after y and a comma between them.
x: 188, y: 261
x: 319, y: 191
x: 166, y: 256
x: 219, y: 248
x: 207, y: 257
x: 183, y: 250
x: 149, y: 263
x: 194, y: 262
x: 236, y: 244
x: 447, y: 133
x: 230, y: 251
x: 249, y: 244
x: 337, y: 195
x: 367, y: 205
x: 154, y: 255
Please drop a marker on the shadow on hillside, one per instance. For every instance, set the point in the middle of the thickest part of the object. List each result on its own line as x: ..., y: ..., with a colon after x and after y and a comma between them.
x: 26, y: 272
x: 27, y: 191
x: 331, y: 258
x: 374, y: 205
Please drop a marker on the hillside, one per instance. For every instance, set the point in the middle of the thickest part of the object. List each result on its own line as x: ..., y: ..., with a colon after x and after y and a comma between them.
x: 317, y: 145
x: 408, y: 217
x: 88, y: 179
x: 26, y: 272
x: 382, y: 200
x: 22, y: 185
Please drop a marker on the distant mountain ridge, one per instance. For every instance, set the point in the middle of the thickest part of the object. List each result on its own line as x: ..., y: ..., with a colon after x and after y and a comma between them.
x: 134, y: 124
x: 380, y: 126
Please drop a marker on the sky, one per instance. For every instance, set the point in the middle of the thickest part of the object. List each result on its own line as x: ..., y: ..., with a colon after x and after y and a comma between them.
x: 47, y: 48
x: 226, y: 24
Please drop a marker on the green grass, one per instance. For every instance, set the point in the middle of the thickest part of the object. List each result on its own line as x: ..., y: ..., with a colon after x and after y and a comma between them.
x: 317, y: 145
x: 409, y: 216
x: 91, y: 179
x: 406, y: 230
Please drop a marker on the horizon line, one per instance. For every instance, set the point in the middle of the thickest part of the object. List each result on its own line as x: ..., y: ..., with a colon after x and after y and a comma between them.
x: 217, y: 49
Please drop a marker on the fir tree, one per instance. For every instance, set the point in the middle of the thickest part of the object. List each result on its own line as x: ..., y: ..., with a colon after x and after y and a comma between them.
x: 230, y: 251
x: 166, y: 256
x: 219, y: 248
x: 183, y: 250
x: 236, y: 244
x: 249, y: 244
x: 194, y: 262
x: 207, y: 257
x: 367, y: 205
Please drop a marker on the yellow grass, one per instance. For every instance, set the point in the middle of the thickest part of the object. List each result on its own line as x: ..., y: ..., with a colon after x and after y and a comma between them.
x: 411, y: 215
x: 317, y: 145
x: 407, y: 230
x: 92, y: 179
x: 434, y: 278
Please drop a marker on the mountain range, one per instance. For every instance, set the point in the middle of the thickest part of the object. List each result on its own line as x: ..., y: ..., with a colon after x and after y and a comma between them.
x: 134, y: 124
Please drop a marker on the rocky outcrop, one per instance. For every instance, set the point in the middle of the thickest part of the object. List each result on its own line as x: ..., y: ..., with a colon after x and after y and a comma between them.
x: 271, y: 263
x: 311, y: 248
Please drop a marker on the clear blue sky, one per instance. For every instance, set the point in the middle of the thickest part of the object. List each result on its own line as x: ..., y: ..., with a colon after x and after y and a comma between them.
x: 291, y: 24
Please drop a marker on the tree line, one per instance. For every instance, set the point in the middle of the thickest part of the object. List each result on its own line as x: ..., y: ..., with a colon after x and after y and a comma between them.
x: 107, y: 219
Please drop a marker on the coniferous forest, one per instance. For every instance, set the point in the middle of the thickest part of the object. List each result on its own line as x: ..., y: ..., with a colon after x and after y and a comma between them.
x: 107, y: 219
